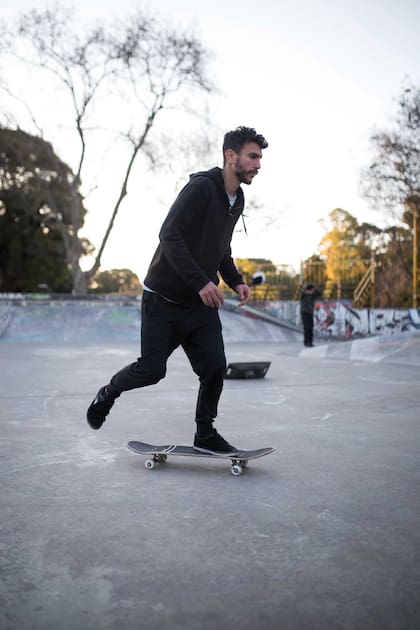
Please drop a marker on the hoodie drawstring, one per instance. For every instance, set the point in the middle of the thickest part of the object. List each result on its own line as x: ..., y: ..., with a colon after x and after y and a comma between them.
x: 243, y: 223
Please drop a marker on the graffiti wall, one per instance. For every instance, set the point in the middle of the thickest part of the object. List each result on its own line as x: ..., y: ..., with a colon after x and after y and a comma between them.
x: 337, y: 319
x: 340, y: 320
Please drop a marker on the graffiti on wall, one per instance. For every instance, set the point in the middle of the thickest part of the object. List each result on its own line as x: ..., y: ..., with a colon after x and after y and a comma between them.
x: 341, y: 320
x: 338, y: 319
x: 335, y: 319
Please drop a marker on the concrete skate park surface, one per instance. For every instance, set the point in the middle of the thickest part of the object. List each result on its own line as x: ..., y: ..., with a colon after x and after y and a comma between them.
x: 323, y: 534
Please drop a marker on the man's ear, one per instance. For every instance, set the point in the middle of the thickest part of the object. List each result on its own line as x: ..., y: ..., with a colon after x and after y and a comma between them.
x: 230, y: 156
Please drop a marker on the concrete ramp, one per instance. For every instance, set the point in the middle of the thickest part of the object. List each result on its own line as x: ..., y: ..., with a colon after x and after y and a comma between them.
x: 399, y: 348
x: 402, y: 348
x: 67, y: 322
x: 240, y: 327
x: 101, y: 321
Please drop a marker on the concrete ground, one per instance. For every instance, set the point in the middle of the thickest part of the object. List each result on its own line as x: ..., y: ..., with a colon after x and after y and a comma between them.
x: 323, y: 534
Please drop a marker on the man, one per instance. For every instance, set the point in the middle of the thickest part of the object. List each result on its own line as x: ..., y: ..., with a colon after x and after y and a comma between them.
x: 307, y: 304
x: 181, y: 297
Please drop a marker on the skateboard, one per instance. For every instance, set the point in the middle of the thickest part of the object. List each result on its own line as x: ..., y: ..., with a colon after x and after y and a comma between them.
x: 158, y: 455
x: 256, y: 369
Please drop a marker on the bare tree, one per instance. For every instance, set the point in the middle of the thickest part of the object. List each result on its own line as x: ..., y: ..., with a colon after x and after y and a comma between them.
x: 138, y: 67
x: 392, y: 180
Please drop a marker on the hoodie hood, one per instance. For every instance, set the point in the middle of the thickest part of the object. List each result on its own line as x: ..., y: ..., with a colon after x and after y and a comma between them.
x: 216, y: 176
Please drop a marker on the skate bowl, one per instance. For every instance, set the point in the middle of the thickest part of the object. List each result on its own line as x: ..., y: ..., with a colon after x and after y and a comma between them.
x: 96, y: 321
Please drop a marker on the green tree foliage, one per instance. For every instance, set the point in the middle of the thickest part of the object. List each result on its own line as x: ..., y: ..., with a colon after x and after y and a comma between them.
x: 116, y: 281
x: 346, y: 246
x: 41, y: 211
x: 346, y: 251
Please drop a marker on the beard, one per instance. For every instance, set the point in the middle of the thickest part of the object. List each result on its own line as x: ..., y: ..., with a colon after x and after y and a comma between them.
x: 244, y: 176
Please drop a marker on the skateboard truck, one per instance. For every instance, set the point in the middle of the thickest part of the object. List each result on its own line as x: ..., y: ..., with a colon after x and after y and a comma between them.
x: 236, y: 469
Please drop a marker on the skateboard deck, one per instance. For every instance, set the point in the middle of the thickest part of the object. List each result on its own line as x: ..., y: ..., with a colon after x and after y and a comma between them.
x: 248, y: 369
x: 159, y: 454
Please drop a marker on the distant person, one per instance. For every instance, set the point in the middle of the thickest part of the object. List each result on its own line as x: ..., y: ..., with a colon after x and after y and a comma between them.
x: 181, y: 297
x: 308, y: 298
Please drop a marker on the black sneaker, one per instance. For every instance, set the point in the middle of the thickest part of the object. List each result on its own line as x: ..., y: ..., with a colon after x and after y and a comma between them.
x: 213, y: 444
x: 99, y: 408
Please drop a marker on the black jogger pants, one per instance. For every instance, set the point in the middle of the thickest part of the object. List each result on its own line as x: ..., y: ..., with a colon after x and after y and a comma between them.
x: 308, y: 328
x: 164, y: 327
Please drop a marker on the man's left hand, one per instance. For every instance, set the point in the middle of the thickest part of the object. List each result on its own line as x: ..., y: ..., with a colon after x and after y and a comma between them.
x: 244, y: 293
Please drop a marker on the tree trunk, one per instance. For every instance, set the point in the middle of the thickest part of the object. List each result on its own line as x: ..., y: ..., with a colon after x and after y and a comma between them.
x: 80, y: 281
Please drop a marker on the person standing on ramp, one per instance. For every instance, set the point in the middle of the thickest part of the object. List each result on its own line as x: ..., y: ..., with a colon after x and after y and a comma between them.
x: 308, y: 297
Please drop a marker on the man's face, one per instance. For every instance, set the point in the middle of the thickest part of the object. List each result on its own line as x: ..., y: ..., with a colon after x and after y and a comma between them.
x: 247, y: 163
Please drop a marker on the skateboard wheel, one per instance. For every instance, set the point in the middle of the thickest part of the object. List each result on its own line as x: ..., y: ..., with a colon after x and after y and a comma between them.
x: 149, y: 464
x: 236, y: 470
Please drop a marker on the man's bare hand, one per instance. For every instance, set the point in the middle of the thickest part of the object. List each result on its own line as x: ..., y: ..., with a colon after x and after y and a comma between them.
x: 244, y: 293
x: 211, y: 295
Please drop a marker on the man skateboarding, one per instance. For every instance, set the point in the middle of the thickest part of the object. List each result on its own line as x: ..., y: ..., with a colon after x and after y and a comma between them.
x: 181, y: 297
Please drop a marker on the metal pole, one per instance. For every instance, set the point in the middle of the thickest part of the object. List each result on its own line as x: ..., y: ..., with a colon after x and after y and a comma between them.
x: 372, y: 279
x: 415, y: 256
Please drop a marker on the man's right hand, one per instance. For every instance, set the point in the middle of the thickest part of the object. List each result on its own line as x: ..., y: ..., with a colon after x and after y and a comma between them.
x: 211, y: 295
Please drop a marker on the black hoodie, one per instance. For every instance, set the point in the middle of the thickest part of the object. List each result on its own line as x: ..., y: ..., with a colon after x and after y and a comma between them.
x: 195, y: 240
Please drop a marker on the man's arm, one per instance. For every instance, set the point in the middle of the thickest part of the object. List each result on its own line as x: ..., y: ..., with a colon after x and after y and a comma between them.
x: 172, y: 238
x: 211, y: 295
x: 244, y: 293
x: 229, y: 271
x: 234, y: 279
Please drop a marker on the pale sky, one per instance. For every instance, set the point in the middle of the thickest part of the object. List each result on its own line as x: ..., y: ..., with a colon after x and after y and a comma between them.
x: 315, y: 77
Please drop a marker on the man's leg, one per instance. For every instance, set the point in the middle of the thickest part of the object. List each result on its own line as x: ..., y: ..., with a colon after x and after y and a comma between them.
x: 158, y: 341
x: 308, y: 328
x: 205, y: 349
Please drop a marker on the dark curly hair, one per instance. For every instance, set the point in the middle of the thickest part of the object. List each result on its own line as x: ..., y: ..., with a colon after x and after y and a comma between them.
x: 241, y: 135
